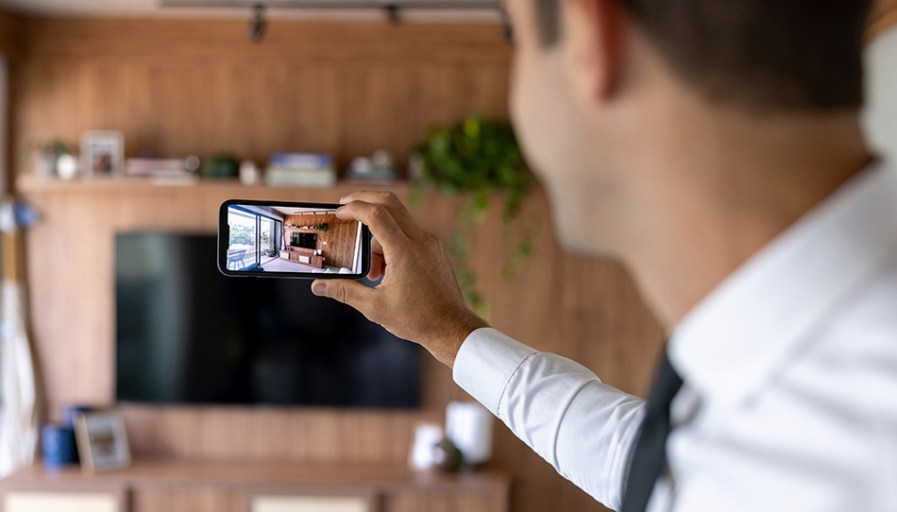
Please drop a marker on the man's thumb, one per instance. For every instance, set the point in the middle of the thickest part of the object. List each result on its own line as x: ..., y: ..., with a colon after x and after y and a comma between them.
x: 341, y: 290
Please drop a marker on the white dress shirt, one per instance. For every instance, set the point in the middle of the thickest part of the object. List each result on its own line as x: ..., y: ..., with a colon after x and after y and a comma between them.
x: 880, y: 114
x: 789, y: 399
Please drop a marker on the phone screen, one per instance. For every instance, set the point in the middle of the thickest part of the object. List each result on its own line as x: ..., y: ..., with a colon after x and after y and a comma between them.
x: 285, y: 239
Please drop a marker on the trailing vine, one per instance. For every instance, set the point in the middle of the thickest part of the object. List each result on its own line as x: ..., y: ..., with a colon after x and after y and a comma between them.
x: 479, y: 159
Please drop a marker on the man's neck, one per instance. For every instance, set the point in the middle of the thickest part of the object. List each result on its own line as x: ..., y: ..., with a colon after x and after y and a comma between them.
x: 718, y: 188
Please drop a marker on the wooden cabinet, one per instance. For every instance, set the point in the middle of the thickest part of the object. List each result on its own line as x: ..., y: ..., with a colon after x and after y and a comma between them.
x: 181, y: 486
x: 173, y: 498
x: 47, y: 501
x: 306, y: 257
x: 311, y: 504
x: 417, y: 502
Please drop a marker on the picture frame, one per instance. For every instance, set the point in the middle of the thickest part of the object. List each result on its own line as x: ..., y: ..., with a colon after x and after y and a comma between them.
x: 102, y: 441
x: 102, y: 154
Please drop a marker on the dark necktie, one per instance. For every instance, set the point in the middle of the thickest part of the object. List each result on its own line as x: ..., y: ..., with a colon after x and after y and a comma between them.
x: 649, y: 457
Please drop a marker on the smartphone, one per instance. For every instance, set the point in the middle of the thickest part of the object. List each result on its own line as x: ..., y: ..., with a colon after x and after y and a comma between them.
x: 291, y: 240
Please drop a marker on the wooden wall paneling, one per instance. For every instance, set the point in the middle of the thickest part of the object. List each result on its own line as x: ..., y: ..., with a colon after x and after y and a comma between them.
x: 9, y: 34
x: 340, y: 237
x: 884, y: 17
x: 192, y: 40
x: 561, y: 303
x: 198, y: 87
x: 9, y: 48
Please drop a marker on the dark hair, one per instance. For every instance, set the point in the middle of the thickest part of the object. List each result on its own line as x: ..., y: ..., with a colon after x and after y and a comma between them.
x: 764, y: 54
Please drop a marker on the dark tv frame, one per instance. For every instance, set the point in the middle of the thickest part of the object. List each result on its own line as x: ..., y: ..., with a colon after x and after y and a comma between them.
x: 300, y: 236
x: 249, y: 406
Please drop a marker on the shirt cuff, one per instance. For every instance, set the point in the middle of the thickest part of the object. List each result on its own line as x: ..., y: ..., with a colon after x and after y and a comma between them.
x: 485, y: 363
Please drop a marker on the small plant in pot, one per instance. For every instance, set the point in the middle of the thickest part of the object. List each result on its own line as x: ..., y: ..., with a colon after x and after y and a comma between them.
x: 55, y: 159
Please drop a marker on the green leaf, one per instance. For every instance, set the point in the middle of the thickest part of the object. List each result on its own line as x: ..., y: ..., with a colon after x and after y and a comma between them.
x: 478, y: 157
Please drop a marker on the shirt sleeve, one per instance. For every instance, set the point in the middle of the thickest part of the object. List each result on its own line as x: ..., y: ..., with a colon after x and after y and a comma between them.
x: 585, y: 429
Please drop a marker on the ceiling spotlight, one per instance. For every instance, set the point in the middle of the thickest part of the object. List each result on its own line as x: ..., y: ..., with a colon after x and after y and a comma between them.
x: 258, y: 24
x: 392, y: 13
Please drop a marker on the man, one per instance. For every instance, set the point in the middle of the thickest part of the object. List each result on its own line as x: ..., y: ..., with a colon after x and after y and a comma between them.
x: 715, y: 147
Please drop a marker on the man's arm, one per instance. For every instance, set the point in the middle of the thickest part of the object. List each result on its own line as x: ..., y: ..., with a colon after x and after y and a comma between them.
x: 584, y: 428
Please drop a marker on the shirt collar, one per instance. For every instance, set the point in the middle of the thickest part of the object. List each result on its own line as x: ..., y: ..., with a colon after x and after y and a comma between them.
x: 760, y: 317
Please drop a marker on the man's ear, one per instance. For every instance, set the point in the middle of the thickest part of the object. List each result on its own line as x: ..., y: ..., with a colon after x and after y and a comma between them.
x: 594, y: 46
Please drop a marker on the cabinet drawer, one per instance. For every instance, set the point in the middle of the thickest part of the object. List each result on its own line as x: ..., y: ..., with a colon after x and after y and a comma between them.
x: 310, y: 504
x: 60, y: 502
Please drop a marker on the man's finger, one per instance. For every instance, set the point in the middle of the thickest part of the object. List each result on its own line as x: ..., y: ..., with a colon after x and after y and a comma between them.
x: 346, y: 291
x: 403, y: 217
x: 378, y: 218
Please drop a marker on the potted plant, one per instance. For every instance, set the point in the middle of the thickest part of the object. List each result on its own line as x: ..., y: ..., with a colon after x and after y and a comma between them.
x: 478, y: 158
x: 49, y: 156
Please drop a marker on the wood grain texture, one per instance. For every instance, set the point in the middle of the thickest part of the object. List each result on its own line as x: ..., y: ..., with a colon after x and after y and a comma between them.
x: 9, y: 34
x: 185, y: 87
x: 181, y: 87
x: 583, y: 308
x: 340, y: 236
x: 190, y: 498
x: 272, y: 477
x: 417, y: 501
x: 190, y: 486
x: 884, y: 17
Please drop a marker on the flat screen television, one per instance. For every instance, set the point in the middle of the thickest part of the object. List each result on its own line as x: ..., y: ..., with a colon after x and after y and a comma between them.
x: 185, y: 334
x: 305, y: 240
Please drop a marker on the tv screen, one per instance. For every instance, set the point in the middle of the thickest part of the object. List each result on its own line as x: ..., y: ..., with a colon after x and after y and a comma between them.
x: 187, y: 334
x: 305, y: 240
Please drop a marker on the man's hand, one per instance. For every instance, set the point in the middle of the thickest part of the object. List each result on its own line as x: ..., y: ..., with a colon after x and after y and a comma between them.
x: 419, y: 298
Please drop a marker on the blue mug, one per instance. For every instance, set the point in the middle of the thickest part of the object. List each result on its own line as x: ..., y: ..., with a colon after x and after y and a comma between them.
x: 58, y: 444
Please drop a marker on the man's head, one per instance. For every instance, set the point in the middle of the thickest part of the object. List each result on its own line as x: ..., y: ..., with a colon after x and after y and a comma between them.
x: 589, y: 73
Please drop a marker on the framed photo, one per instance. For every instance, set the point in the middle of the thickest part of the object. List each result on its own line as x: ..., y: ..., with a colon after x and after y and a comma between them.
x: 102, y: 153
x: 102, y: 441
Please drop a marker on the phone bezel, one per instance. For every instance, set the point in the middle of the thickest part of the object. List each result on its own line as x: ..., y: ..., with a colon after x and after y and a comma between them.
x: 224, y: 239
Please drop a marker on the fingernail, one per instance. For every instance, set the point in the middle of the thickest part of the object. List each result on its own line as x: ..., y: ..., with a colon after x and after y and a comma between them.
x: 319, y: 289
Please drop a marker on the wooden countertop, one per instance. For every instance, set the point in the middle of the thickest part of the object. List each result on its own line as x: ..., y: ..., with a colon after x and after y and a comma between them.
x: 239, y: 473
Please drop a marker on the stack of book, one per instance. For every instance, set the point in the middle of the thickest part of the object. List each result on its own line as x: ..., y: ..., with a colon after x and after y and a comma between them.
x: 163, y: 171
x: 301, y: 170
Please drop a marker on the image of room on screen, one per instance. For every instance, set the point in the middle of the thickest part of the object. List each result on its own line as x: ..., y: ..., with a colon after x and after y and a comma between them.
x: 290, y: 239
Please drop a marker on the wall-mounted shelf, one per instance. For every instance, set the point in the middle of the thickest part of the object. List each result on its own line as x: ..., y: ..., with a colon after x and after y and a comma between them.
x: 30, y: 184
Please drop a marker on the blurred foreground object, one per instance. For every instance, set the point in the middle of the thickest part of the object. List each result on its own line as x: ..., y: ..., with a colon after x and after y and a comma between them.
x: 18, y: 392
